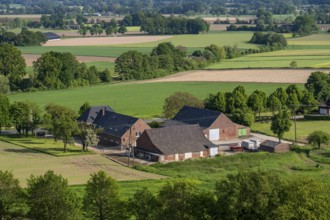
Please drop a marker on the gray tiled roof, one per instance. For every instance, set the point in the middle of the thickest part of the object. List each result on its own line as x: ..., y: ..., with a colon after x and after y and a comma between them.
x: 113, y: 123
x: 90, y: 114
x: 192, y: 115
x: 178, y: 139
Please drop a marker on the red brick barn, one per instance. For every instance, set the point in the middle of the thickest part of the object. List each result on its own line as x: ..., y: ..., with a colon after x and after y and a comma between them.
x: 216, y: 125
x: 117, y: 129
x: 174, y: 144
x: 274, y: 146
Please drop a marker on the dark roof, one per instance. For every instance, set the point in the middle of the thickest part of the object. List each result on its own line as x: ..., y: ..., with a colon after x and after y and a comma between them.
x: 51, y: 36
x: 270, y: 143
x: 326, y: 104
x: 171, y: 123
x: 113, y: 123
x: 192, y: 115
x: 178, y: 139
x: 90, y: 114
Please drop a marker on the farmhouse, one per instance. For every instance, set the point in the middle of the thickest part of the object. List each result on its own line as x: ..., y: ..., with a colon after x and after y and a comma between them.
x: 117, y: 129
x: 90, y: 114
x: 274, y: 146
x: 174, y: 144
x: 216, y: 125
x: 324, y: 109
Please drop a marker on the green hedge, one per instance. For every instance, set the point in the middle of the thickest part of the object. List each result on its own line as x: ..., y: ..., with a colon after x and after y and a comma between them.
x: 317, y: 117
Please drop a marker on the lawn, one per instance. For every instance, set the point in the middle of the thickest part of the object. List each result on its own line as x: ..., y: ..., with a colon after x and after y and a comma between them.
x: 304, y: 128
x: 136, y: 99
x: 24, y: 162
x: 48, y: 146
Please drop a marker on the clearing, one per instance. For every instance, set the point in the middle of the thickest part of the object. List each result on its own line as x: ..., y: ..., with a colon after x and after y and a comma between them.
x: 24, y: 162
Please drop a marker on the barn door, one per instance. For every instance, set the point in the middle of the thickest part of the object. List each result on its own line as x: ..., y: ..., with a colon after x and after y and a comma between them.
x: 214, y: 134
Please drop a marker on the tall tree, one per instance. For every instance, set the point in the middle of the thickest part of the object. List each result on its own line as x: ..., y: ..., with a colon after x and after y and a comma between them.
x: 12, y: 204
x: 318, y: 137
x: 216, y: 102
x: 281, y: 94
x: 4, y: 111
x: 88, y: 135
x: 12, y: 64
x: 319, y: 84
x: 281, y: 123
x: 4, y: 85
x: 273, y: 103
x: 62, y: 123
x: 239, y: 97
x: 177, y: 100
x: 102, y: 200
x: 176, y: 200
x: 49, y: 197
x: 20, y: 116
x: 257, y: 101
x: 143, y: 205
x: 247, y: 195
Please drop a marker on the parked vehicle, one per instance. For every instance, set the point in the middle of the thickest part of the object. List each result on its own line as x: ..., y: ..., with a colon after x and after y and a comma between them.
x: 251, y: 145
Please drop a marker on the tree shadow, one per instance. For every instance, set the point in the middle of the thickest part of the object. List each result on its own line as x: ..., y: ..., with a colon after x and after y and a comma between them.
x: 22, y: 150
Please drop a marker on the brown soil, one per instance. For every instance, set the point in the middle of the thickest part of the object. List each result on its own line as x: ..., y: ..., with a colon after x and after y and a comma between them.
x: 92, y: 41
x: 242, y: 75
x: 29, y: 58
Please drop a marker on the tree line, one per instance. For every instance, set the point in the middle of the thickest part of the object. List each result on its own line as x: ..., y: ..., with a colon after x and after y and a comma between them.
x: 52, y: 70
x: 246, y: 195
x: 24, y: 38
x: 302, y: 25
x: 243, y: 108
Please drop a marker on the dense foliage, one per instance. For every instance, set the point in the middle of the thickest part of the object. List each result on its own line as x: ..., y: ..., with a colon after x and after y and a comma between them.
x: 245, y: 195
x: 166, y: 59
x: 24, y: 38
x: 271, y: 39
x: 243, y: 109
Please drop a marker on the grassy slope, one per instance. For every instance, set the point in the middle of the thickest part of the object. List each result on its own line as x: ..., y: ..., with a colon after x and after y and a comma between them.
x: 304, y: 128
x: 136, y: 99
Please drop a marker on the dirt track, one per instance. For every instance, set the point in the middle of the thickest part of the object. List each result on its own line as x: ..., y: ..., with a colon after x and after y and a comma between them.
x: 29, y: 58
x: 92, y: 41
x: 242, y: 75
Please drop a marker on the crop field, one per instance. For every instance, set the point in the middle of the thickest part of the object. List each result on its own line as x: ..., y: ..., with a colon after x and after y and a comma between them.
x: 136, y: 99
x: 304, y: 128
x: 309, y: 52
x: 23, y: 162
x: 246, y: 75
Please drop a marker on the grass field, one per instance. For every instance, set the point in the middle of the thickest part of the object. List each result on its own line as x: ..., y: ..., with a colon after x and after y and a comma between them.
x: 23, y: 162
x: 136, y: 99
x: 309, y: 52
x: 48, y: 146
x: 102, y: 65
x: 304, y: 128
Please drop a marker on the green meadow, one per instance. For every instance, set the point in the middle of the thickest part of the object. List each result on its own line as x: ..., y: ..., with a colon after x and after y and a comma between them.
x: 304, y: 128
x: 309, y: 52
x: 136, y: 99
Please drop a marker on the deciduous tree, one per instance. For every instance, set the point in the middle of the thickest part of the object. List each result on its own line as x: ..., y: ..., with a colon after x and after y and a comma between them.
x: 318, y: 138
x: 281, y: 123
x: 4, y: 111
x: 102, y: 200
x: 12, y: 203
x: 177, y: 100
x: 49, y: 197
